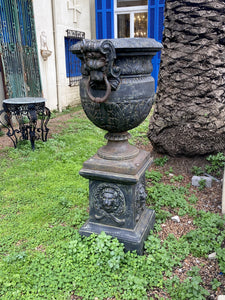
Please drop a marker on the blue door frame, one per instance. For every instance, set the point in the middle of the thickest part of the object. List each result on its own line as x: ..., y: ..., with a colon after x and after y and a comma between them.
x: 105, y: 24
x: 155, y: 30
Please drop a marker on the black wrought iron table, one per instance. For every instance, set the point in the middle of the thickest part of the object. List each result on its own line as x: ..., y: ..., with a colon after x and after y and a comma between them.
x: 25, y: 119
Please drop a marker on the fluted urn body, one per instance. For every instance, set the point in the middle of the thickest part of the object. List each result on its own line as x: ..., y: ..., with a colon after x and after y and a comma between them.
x: 117, y: 92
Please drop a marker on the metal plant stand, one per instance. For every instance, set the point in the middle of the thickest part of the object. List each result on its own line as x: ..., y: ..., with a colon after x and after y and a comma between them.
x: 117, y: 92
x: 31, y: 116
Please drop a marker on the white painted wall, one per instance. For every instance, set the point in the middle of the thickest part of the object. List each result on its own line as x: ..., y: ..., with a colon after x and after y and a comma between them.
x: 43, y: 22
x: 54, y: 17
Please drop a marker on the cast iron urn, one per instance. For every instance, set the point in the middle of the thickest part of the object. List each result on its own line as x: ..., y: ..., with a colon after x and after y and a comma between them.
x: 117, y: 92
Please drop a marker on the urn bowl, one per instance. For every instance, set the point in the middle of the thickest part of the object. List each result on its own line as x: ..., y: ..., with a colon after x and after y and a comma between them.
x: 117, y: 89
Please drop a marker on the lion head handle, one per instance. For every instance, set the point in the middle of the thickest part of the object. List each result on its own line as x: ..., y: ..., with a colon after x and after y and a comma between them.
x: 98, y: 66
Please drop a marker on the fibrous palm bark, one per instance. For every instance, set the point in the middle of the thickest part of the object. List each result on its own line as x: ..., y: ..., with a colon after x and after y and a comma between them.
x: 189, y: 116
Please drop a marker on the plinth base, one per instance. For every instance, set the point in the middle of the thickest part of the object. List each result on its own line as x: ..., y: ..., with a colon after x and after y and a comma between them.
x: 117, y: 199
x: 133, y: 239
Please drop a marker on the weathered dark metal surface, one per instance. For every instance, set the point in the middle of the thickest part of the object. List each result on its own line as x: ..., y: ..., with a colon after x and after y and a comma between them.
x: 117, y: 92
x: 27, y: 112
x: 117, y: 199
x: 129, y: 169
x: 127, y: 65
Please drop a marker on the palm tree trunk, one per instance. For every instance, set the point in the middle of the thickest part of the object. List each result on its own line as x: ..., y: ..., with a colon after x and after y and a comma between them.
x: 189, y: 116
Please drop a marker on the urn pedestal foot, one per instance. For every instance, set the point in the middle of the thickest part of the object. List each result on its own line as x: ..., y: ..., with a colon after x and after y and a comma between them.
x: 117, y: 199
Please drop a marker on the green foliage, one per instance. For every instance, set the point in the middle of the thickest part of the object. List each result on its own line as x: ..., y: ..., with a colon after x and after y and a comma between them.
x: 42, y: 189
x: 217, y: 160
x: 193, y: 199
x: 161, y: 195
x: 161, y: 161
x: 79, y: 264
x: 163, y: 257
x: 155, y: 176
x: 43, y: 203
x: 208, y: 236
x: 220, y: 253
x: 176, y: 178
x: 108, y: 251
x: 161, y: 216
x: 215, y: 284
x: 202, y: 184
x: 216, y: 163
x: 197, y: 170
x: 190, y: 288
x: 1, y: 133
x: 93, y: 267
x: 170, y: 172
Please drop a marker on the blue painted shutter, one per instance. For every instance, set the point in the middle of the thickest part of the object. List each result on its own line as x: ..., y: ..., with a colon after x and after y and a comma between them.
x: 73, y: 63
x: 104, y: 19
x: 155, y: 30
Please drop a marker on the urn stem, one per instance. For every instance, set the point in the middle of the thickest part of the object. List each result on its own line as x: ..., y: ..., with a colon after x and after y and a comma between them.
x: 118, y: 147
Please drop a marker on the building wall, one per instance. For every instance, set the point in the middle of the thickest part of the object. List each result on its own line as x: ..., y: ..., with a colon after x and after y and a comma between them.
x: 54, y: 17
x: 44, y: 23
x: 92, y: 18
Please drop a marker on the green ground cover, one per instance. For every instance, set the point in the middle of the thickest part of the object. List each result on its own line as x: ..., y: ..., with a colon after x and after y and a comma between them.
x: 43, y: 203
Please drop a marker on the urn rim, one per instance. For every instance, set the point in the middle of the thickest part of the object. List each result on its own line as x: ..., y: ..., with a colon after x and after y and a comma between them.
x: 126, y: 44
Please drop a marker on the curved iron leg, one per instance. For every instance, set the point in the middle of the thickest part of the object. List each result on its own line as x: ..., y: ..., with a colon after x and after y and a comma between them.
x: 11, y: 132
x: 44, y: 122
x: 32, y: 136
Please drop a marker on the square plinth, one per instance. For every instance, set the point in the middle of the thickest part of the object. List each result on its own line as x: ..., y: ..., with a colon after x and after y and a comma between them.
x: 117, y: 199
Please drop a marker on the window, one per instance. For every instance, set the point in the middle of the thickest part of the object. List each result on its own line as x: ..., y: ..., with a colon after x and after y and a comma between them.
x: 140, y: 24
x: 73, y: 63
x: 123, y: 25
x: 131, y: 18
x: 127, y: 3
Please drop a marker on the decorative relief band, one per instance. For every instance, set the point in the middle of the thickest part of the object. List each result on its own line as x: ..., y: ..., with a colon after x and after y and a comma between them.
x: 118, y: 116
x: 109, y: 202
